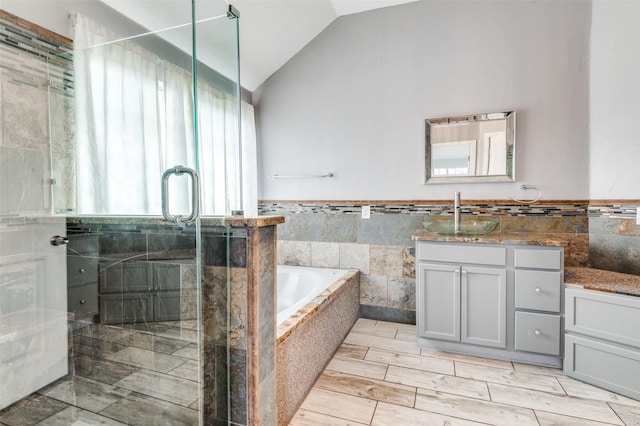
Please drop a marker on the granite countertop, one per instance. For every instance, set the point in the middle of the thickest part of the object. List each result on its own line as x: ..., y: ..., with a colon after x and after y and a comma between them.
x: 495, y: 237
x: 601, y: 280
x: 253, y: 222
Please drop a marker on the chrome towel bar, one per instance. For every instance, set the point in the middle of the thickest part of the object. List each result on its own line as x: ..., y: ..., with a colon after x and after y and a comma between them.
x: 327, y: 175
x: 526, y: 188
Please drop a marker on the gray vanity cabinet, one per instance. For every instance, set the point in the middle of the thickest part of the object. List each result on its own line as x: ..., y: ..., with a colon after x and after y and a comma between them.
x: 132, y: 292
x: 461, y: 298
x: 493, y: 300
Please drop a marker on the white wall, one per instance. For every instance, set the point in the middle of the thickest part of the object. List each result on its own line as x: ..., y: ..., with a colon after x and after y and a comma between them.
x: 354, y: 100
x: 615, y: 100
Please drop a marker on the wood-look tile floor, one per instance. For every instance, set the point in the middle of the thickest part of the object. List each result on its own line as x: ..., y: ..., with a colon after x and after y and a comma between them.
x: 379, y: 376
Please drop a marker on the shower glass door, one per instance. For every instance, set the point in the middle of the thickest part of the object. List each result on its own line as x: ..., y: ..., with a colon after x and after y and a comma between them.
x: 132, y: 172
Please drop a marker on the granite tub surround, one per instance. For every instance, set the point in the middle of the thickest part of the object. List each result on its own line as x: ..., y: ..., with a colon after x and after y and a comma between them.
x: 601, y: 280
x: 307, y: 341
x: 332, y: 234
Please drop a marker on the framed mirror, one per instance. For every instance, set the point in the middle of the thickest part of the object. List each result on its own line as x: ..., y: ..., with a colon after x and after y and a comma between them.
x: 470, y: 148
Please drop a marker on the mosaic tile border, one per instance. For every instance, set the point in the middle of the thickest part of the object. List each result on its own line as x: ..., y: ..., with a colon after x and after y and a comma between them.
x: 621, y: 211
x: 426, y: 208
x: 21, y: 41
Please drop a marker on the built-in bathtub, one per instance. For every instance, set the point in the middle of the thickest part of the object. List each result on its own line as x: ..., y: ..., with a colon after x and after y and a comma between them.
x: 316, y: 309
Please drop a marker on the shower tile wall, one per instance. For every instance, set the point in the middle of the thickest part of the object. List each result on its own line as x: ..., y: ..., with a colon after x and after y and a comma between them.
x: 334, y: 236
x: 32, y: 148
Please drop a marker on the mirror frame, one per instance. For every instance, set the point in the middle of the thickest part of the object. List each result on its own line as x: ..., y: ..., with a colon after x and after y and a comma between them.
x: 509, y: 176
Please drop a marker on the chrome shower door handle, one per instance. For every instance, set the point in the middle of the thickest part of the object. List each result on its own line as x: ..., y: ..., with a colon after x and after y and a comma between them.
x: 195, y: 195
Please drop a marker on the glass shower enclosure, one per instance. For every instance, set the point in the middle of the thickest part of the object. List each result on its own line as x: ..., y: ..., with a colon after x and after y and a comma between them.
x: 114, y: 290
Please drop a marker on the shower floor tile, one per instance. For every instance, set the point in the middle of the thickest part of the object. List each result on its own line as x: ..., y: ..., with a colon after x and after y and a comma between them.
x: 31, y: 410
x: 77, y: 416
x: 139, y: 374
x: 146, y: 359
x: 141, y: 410
x: 85, y: 393
x: 161, y: 386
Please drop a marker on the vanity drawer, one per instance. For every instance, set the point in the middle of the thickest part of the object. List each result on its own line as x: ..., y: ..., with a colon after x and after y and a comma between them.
x: 538, y: 290
x: 83, y: 244
x: 539, y: 258
x: 81, y: 270
x: 613, y: 317
x: 83, y: 300
x: 610, y: 366
x: 459, y: 253
x: 537, y: 333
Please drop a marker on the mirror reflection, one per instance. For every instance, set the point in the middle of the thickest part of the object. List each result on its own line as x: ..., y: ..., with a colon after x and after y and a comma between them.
x: 470, y: 148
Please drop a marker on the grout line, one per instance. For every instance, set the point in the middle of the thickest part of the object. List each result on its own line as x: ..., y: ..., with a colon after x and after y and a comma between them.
x: 373, y: 415
x: 562, y: 387
x: 615, y: 412
x: 536, y: 416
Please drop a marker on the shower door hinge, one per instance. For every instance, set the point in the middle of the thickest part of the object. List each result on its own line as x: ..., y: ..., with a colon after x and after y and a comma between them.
x: 232, y: 12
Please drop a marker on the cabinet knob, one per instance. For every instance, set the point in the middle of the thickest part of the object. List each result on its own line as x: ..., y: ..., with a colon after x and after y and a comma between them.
x: 464, y: 272
x: 537, y: 289
x: 537, y: 332
x: 82, y: 270
x: 148, y: 288
x: 82, y: 302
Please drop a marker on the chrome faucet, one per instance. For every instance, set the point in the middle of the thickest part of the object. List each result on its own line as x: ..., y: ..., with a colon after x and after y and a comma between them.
x: 456, y: 212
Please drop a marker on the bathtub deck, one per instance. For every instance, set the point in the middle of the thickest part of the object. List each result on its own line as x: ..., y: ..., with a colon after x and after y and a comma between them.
x: 298, y: 319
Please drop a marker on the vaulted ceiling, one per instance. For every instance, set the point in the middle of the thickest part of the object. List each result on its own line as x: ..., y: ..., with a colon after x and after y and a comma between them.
x: 271, y: 31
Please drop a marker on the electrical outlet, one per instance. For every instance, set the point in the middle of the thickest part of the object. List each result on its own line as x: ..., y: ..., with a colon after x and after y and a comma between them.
x: 366, y: 212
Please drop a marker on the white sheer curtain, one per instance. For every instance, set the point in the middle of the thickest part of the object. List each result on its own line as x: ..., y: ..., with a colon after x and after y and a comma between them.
x: 134, y: 119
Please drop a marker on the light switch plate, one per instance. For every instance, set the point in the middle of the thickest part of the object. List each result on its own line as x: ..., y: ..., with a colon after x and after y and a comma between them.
x: 366, y: 212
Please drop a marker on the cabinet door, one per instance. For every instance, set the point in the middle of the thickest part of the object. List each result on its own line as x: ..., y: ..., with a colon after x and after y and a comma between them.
x: 126, y: 308
x: 166, y: 306
x: 483, y: 306
x: 438, y: 296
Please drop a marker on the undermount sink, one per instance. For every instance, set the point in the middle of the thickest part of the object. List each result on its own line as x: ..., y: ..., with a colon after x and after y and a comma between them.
x: 466, y: 227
